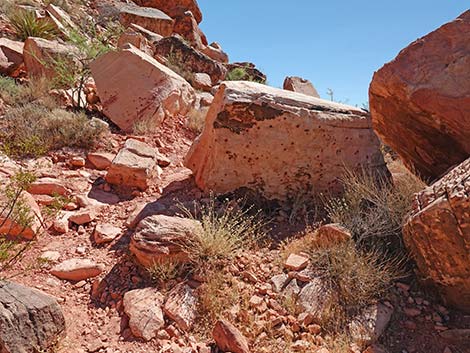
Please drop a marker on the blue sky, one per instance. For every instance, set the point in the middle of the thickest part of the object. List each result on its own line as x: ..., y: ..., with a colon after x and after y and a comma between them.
x: 336, y: 44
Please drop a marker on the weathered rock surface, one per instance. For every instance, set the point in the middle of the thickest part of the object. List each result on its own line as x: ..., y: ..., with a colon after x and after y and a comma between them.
x: 133, y: 166
x: 438, y: 235
x: 368, y: 326
x: 316, y: 298
x: 181, y: 306
x: 101, y: 160
x: 48, y: 186
x: 105, y: 233
x: 160, y: 238
x: 62, y: 16
x: 420, y: 102
x: 144, y: 309
x: 300, y: 85
x: 332, y: 234
x: 77, y: 269
x: 41, y: 55
x: 13, y: 225
x: 215, y: 52
x: 186, y: 26
x: 11, y: 56
x: 229, y: 339
x: 257, y: 137
x: 201, y: 81
x: 173, y: 8
x: 150, y: 18
x: 189, y: 58
x: 29, y: 319
x: 135, y: 88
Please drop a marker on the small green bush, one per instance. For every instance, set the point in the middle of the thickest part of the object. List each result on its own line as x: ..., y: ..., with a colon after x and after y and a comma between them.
x: 27, y: 25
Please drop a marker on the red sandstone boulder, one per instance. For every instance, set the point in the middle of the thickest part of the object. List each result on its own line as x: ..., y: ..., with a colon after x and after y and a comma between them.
x: 136, y: 89
x: 186, y: 26
x: 152, y: 19
x: 173, y: 8
x: 300, y: 85
x: 41, y: 56
x: 275, y: 142
x: 11, y: 56
x: 420, y: 101
x: 438, y: 235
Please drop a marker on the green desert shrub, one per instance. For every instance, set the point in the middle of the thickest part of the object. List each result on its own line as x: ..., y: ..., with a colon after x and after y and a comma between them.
x: 27, y: 25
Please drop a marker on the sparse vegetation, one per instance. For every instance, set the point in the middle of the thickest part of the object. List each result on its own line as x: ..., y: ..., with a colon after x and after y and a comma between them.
x: 32, y: 130
x: 224, y: 233
x: 240, y: 74
x: 165, y: 271
x: 373, y: 209
x: 36, y: 90
x: 14, y: 211
x: 27, y: 25
x: 197, y: 119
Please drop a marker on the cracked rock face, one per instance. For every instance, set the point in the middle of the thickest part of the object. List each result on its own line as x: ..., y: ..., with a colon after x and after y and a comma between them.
x: 438, y: 235
x: 280, y: 143
x: 29, y: 319
x: 420, y: 101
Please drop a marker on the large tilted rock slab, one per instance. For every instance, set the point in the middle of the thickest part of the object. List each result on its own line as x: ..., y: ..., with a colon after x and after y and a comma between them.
x: 173, y: 8
x: 438, y: 235
x: 279, y: 142
x: 30, y: 321
x: 135, y: 88
x: 152, y: 19
x: 161, y: 238
x: 420, y: 102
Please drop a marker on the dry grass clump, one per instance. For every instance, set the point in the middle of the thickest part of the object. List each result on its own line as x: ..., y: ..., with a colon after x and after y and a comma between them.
x: 197, y: 119
x: 225, y: 231
x: 27, y: 25
x: 32, y: 130
x: 373, y: 209
x: 356, y: 277
x: 165, y: 271
x: 36, y: 90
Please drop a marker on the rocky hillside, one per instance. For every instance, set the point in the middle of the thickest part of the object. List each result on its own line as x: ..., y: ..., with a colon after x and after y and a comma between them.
x: 156, y: 197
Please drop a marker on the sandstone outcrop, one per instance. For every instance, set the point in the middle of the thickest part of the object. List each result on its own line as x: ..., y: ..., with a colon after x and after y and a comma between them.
x: 300, y: 85
x: 173, y: 8
x: 135, y: 165
x: 438, y: 235
x: 181, y: 306
x: 11, y: 56
x: 161, y: 238
x: 152, y: 19
x: 188, y: 58
x: 251, y: 73
x: 420, y: 101
x: 41, y: 56
x: 135, y: 88
x: 186, y: 26
x: 257, y: 137
x: 77, y: 269
x: 30, y: 320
